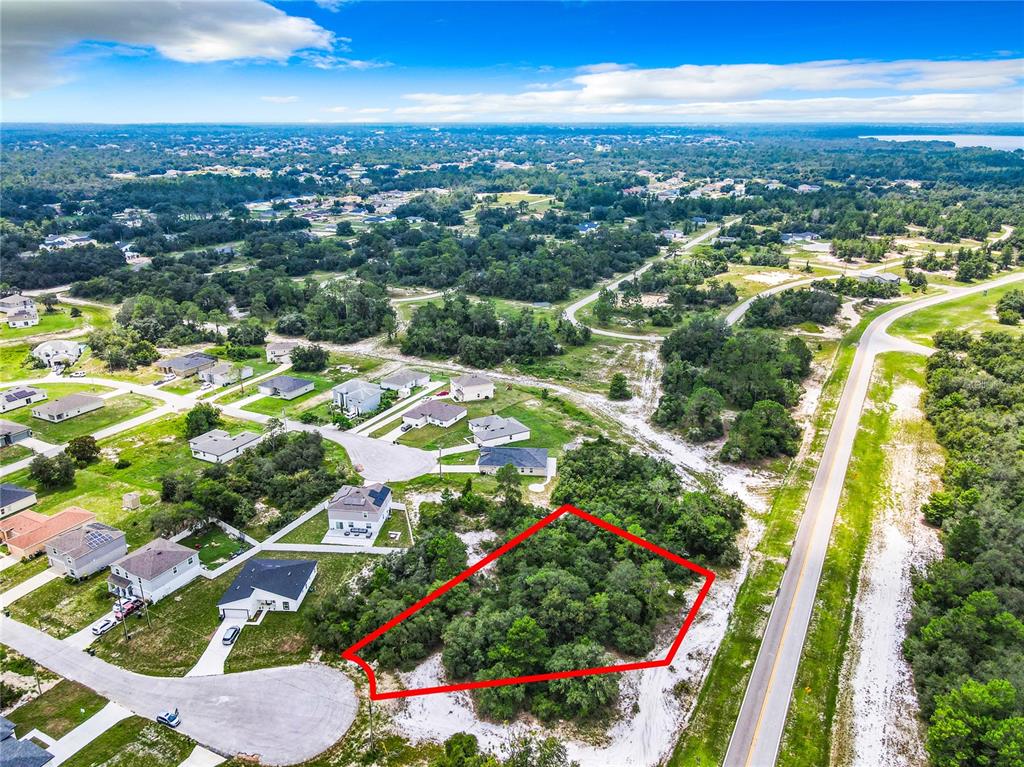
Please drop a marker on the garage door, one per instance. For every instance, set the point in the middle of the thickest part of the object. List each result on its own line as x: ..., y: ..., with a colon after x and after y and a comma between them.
x: 236, y: 613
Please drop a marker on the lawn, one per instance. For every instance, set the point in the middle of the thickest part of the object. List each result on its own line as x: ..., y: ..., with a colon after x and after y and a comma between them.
x: 60, y: 608
x: 21, y: 572
x: 281, y: 408
x: 114, y: 410
x: 397, y: 523
x: 15, y: 363
x: 134, y: 742
x: 58, y: 322
x: 975, y: 313
x: 214, y: 546
x: 312, y: 530
x: 589, y: 367
x: 13, y: 453
x: 57, y: 711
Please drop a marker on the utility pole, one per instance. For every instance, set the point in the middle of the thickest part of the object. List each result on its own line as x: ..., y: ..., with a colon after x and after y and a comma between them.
x: 145, y: 604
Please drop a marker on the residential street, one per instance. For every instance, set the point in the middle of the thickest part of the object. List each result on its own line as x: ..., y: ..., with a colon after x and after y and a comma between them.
x: 282, y: 716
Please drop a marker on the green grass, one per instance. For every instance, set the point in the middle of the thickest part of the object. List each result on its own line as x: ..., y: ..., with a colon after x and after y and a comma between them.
x: 58, y: 322
x: 589, y: 367
x: 396, y: 523
x: 60, y: 608
x: 214, y: 546
x: 183, y: 385
x: 57, y: 711
x: 13, y: 454
x: 134, y: 742
x: 21, y: 572
x: 275, y: 406
x: 114, y: 410
x: 974, y: 313
x: 312, y: 530
x: 809, y: 724
x: 15, y: 363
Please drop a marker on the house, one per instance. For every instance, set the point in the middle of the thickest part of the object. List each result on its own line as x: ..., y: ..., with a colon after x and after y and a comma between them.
x: 698, y: 220
x: 19, y: 396
x: 17, y: 303
x: 27, y: 533
x: 92, y: 547
x: 19, y: 753
x: 14, y: 499
x: 186, y: 365
x: 159, y: 568
x: 275, y: 585
x: 67, y: 407
x: 55, y: 354
x: 359, y: 510
x: 285, y: 387
x: 880, y: 277
x: 435, y: 412
x: 724, y: 240
x: 525, y: 460
x: 404, y: 381
x: 494, y: 430
x: 280, y: 351
x: 12, y: 433
x: 22, y: 319
x: 587, y: 227
x: 217, y: 446
x: 808, y: 188
x: 356, y: 396
x: 471, y: 387
x: 790, y: 237
x: 225, y: 374
x: 673, y: 234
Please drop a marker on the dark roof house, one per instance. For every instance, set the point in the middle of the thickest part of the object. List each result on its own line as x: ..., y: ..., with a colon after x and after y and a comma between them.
x: 286, y: 578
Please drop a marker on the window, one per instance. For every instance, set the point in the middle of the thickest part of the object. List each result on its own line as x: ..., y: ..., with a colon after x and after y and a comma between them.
x: 174, y: 570
x: 190, y: 560
x: 286, y: 606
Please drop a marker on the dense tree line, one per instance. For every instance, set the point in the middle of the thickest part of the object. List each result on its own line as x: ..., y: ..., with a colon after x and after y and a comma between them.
x: 965, y: 640
x: 791, y: 307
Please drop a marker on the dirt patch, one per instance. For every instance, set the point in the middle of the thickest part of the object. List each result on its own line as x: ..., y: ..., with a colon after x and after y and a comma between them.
x: 769, y: 278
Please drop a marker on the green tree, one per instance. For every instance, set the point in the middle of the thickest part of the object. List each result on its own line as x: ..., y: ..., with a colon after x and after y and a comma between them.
x: 201, y: 419
x: 766, y: 430
x: 702, y: 419
x: 618, y: 388
x: 51, y: 473
x: 977, y: 725
x: 309, y: 359
x: 83, y: 450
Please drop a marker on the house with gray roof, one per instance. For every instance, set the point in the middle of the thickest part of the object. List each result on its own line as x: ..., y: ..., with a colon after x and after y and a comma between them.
x: 404, y: 381
x: 19, y: 396
x: 285, y: 387
x: 186, y: 365
x: 532, y: 461
x: 14, y: 498
x: 56, y: 354
x: 493, y: 430
x: 225, y: 374
x: 19, y: 753
x: 472, y: 386
x: 280, y: 351
x: 16, y: 303
x: 153, y: 571
x: 274, y: 585
x: 358, y: 511
x: 434, y: 412
x: 62, y: 409
x: 217, y: 446
x: 791, y: 237
x: 81, y: 552
x: 12, y: 433
x: 885, y: 278
x: 23, y: 319
x: 357, y: 396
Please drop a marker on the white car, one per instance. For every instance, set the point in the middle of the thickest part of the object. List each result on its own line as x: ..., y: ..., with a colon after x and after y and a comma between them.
x: 78, y: 374
x: 103, y: 626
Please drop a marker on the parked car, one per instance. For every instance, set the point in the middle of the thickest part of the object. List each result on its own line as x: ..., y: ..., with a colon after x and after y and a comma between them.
x: 103, y: 627
x: 78, y: 374
x: 126, y: 607
x: 231, y: 635
x: 442, y: 393
x: 169, y: 718
x: 406, y: 426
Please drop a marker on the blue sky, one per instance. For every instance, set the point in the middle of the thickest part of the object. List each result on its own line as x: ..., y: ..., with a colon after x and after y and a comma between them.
x: 327, y: 61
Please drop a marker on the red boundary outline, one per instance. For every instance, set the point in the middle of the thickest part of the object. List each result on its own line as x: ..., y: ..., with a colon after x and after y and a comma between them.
x: 351, y: 653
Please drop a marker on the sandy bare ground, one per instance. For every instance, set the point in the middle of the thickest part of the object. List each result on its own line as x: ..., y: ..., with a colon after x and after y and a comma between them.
x: 769, y: 278
x: 877, y: 720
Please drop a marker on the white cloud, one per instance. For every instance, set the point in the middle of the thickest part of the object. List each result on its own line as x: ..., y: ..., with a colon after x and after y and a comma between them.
x: 280, y: 99
x: 331, y: 61
x: 35, y: 34
x: 912, y: 90
x: 373, y: 110
x: 335, y: 109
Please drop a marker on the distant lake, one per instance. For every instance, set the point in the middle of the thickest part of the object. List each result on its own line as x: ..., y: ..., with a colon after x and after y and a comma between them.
x: 1008, y: 143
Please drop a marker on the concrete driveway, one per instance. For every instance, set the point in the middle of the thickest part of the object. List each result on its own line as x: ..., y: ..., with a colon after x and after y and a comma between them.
x: 29, y: 585
x: 212, y: 660
x: 282, y: 716
x: 82, y: 639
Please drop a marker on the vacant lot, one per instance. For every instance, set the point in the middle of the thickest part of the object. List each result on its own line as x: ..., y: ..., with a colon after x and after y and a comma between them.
x: 134, y: 742
x: 114, y: 410
x: 975, y: 313
x: 57, y: 711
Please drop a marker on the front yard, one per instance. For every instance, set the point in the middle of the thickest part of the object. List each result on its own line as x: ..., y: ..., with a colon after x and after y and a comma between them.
x: 134, y: 742
x: 60, y: 608
x: 57, y: 711
x: 114, y: 410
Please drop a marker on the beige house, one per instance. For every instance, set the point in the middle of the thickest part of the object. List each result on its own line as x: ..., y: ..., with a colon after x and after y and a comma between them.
x: 471, y: 387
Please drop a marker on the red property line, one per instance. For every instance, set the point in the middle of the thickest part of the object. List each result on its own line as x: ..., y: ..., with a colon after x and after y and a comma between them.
x: 351, y: 653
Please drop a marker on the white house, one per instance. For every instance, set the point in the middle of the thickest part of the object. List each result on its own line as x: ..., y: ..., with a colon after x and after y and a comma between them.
x: 356, y: 396
x: 14, y: 499
x: 359, y: 511
x: 225, y: 374
x: 19, y: 396
x: 532, y: 461
x: 285, y: 387
x: 493, y: 430
x: 58, y: 353
x: 67, y: 407
x: 472, y: 387
x: 404, y: 381
x: 274, y: 585
x: 435, y: 412
x: 17, y: 303
x: 280, y: 351
x: 159, y: 568
x: 85, y: 550
x: 22, y: 319
x: 217, y: 446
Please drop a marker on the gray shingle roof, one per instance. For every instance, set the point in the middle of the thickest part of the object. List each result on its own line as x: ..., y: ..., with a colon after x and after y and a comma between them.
x: 403, y: 377
x: 357, y: 386
x: 66, y: 404
x: 472, y: 379
x: 520, y: 457
x: 442, y: 411
x: 352, y: 499
x: 88, y: 537
x: 10, y: 427
x: 19, y: 392
x: 156, y: 557
x: 187, y: 361
x: 219, y: 442
x: 284, y: 577
x: 19, y: 753
x: 285, y: 383
x: 493, y: 426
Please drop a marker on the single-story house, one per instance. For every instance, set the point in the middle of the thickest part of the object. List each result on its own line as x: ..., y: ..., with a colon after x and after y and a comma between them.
x: 357, y: 396
x: 587, y: 227
x: 19, y: 753
x: 276, y: 585
x: 724, y: 240
x: 19, y: 396
x: 494, y: 430
x: 472, y: 387
x: 435, y: 412
x: 525, y: 460
x: 17, y: 303
x: 880, y: 277
x: 22, y: 319
x: 359, y: 510
x: 14, y: 499
x: 11, y: 433
x: 789, y: 237
x: 28, y: 533
x: 186, y: 365
x: 67, y: 407
x: 217, y: 446
x: 404, y: 381
x: 225, y: 374
x: 157, y: 569
x: 92, y: 547
x: 58, y: 353
x: 673, y: 234
x: 285, y: 387
x: 280, y: 351
x: 698, y: 220
x: 808, y: 188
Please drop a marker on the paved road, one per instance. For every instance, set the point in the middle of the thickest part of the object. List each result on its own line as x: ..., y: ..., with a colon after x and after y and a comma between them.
x: 755, y: 739
x: 284, y: 715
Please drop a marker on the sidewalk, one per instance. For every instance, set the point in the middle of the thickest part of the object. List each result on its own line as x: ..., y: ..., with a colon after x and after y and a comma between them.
x: 87, y: 732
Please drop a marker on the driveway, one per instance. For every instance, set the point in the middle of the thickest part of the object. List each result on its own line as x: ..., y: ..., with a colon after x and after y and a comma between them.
x: 15, y: 593
x: 82, y: 639
x: 282, y: 716
x: 87, y: 732
x: 212, y: 661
